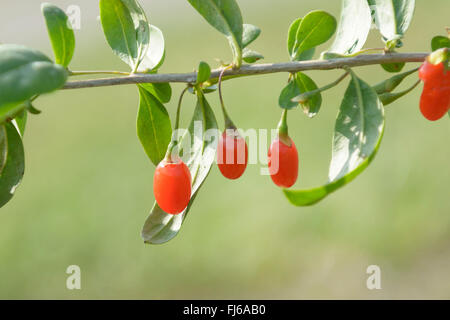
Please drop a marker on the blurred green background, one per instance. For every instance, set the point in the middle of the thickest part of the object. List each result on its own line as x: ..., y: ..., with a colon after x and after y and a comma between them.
x: 88, y: 184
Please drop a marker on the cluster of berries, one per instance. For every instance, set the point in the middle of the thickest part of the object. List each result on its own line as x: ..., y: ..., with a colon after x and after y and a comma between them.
x: 172, y: 179
x: 435, y: 99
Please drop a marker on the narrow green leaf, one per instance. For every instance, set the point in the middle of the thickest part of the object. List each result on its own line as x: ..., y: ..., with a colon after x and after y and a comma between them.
x: 250, y: 34
x: 60, y: 32
x: 162, y: 91
x: 300, y: 84
x: 358, y: 133
x: 251, y: 56
x: 393, y: 18
x: 200, y: 147
x: 204, y: 72
x: 154, y: 57
x: 439, y: 42
x: 389, y: 97
x: 14, y: 167
x: 390, y: 84
x: 153, y: 126
x: 25, y: 73
x: 354, y: 27
x: 314, y: 29
x: 224, y: 16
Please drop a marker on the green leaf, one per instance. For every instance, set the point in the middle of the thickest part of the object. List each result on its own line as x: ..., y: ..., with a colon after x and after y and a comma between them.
x: 126, y: 29
x: 155, y: 55
x: 14, y: 166
x: 141, y: 25
x: 60, y: 33
x: 250, y: 34
x: 3, y: 147
x: 314, y: 29
x: 290, y: 91
x: 305, y: 83
x: 21, y: 121
x: 389, y: 97
x: 300, y: 84
x: 224, y: 16
x: 393, y: 67
x: 25, y: 73
x: 439, y: 42
x: 358, y: 133
x: 162, y: 91
x: 251, y: 56
x: 390, y: 84
x: 200, y: 148
x: 204, y: 72
x: 153, y: 126
x: 292, y: 34
x: 354, y: 27
x: 393, y: 18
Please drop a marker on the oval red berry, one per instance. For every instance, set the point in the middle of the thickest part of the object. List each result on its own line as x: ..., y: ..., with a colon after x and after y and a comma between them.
x: 283, y: 163
x: 232, y: 154
x: 172, y: 186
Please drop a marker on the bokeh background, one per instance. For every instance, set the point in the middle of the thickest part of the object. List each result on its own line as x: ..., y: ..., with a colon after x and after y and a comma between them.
x: 88, y: 184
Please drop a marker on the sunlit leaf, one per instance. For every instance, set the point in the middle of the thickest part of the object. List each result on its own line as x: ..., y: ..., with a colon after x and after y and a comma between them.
x: 155, y: 55
x: 60, y: 33
x: 353, y: 28
x: 358, y: 132
x: 393, y: 18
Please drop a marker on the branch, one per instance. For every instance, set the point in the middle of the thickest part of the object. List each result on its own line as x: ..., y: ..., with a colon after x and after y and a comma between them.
x: 247, y: 70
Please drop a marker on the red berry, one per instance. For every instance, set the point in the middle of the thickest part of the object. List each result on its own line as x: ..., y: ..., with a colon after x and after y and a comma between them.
x: 283, y: 163
x: 435, y: 101
x: 172, y: 186
x: 429, y: 72
x: 435, y: 98
x: 232, y: 154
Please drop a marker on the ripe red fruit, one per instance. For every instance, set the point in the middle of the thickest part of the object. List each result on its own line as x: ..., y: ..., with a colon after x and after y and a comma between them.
x: 434, y: 101
x: 430, y: 73
x: 435, y: 98
x: 172, y: 186
x: 232, y: 154
x: 283, y: 162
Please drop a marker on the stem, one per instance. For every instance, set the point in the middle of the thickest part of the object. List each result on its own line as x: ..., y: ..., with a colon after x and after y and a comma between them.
x: 248, y: 70
x: 177, y: 120
x: 173, y: 143
x: 228, y: 123
x: 84, y: 73
x: 282, y: 129
x: 364, y: 51
x: 304, y: 97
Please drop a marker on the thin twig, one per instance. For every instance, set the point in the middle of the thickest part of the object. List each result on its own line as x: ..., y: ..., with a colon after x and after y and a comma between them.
x: 247, y: 70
